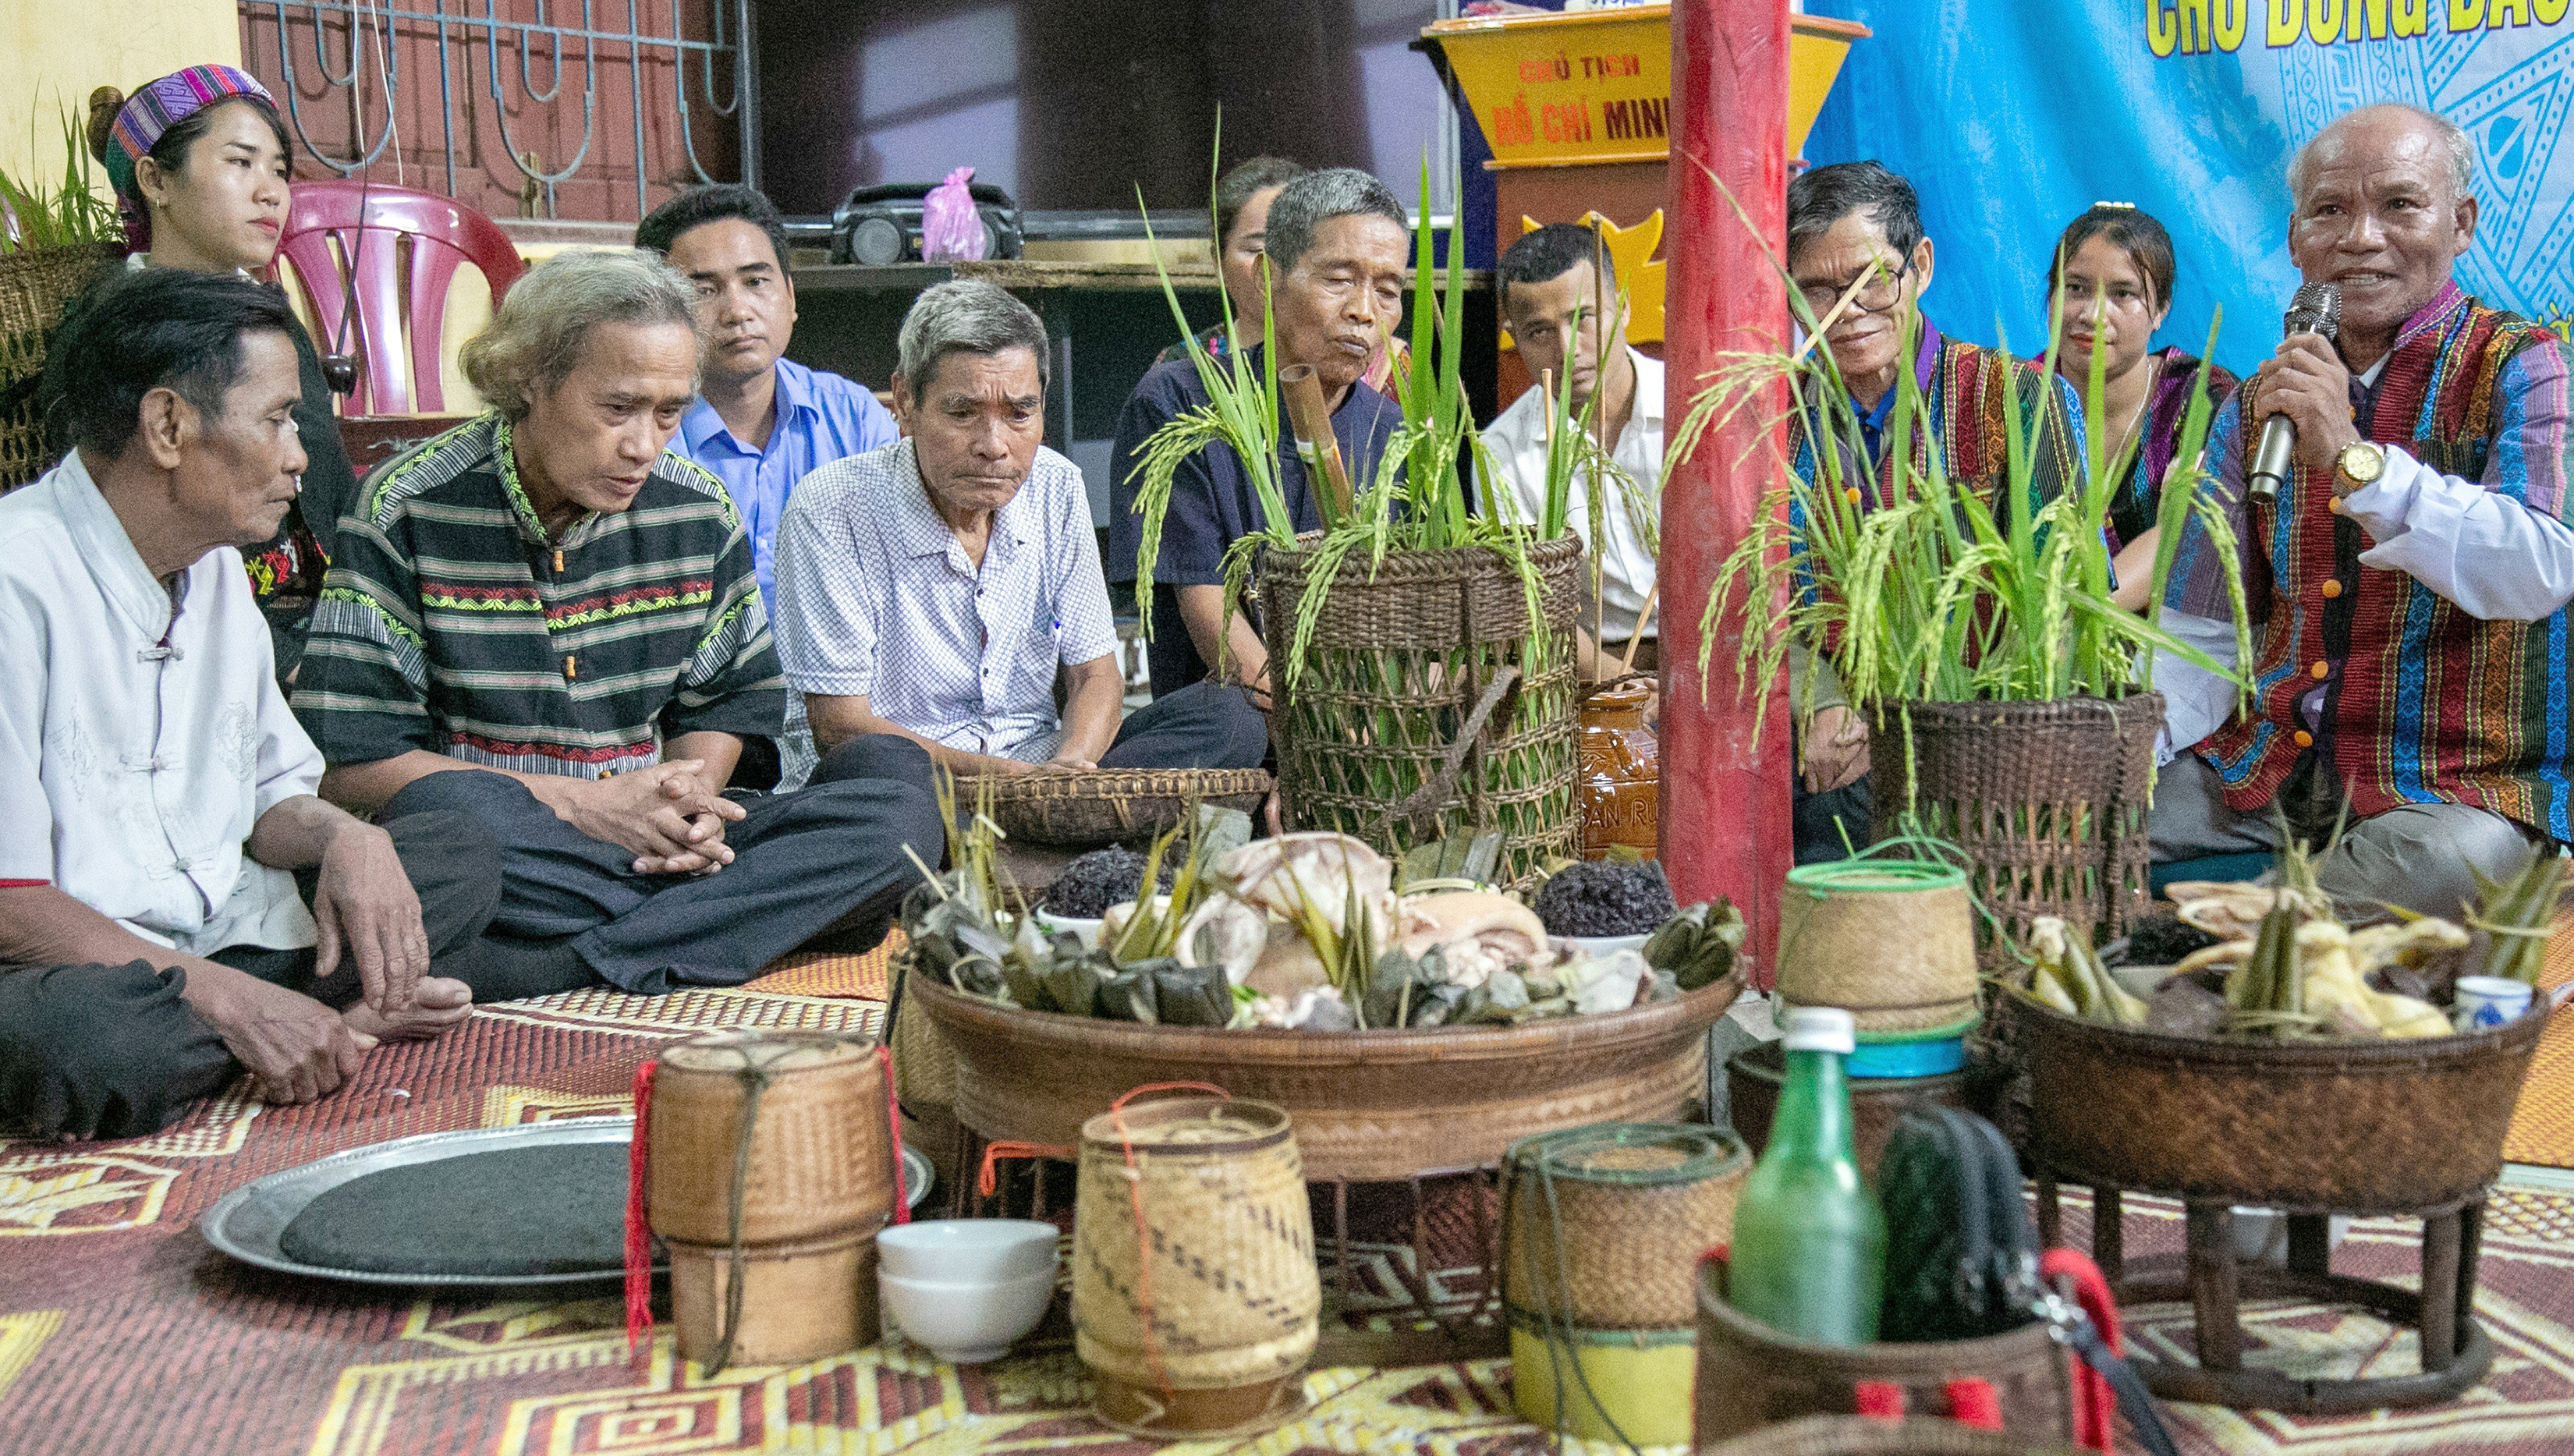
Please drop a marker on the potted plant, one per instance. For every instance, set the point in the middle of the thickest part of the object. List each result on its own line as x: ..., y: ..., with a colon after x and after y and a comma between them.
x: 1425, y: 682
x: 54, y: 240
x: 2012, y: 704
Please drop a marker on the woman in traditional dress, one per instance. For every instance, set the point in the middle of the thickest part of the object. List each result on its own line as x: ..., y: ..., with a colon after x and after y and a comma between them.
x: 2113, y: 286
x: 200, y: 163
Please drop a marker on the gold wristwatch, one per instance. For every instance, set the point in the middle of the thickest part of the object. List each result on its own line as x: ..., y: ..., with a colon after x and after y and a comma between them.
x: 2358, y: 466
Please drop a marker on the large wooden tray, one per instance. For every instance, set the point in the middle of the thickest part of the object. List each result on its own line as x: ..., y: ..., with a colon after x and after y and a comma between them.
x: 1367, y: 1105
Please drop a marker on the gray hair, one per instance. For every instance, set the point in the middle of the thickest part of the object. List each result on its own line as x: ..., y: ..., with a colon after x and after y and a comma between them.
x: 534, y: 342
x: 969, y: 315
x: 2462, y: 152
x: 1316, y: 198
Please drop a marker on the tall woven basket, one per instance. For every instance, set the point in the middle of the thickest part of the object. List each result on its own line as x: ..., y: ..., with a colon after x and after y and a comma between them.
x: 1427, y: 704
x: 34, y: 286
x: 2047, y: 799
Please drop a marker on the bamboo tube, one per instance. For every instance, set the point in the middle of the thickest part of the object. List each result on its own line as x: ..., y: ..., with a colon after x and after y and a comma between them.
x: 1644, y: 614
x: 1316, y: 446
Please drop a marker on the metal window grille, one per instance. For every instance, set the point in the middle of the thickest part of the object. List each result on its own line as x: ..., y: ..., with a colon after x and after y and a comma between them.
x: 383, y: 48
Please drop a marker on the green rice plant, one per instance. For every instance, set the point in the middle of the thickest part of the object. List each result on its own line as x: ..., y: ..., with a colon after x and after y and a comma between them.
x: 65, y: 214
x: 1361, y: 729
x: 1940, y: 594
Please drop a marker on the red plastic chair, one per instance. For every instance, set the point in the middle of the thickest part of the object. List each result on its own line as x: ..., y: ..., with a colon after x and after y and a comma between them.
x: 399, y: 249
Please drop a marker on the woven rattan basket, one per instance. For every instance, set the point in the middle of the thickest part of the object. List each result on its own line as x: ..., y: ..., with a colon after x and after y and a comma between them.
x: 34, y: 287
x: 2389, y: 1126
x: 1084, y: 810
x: 1601, y: 1226
x: 1863, y: 1436
x: 2047, y: 799
x: 1369, y: 1105
x: 1749, y: 1376
x: 1425, y: 706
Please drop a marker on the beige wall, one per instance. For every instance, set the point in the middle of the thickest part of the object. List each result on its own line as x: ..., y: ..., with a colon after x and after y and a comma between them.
x: 53, y: 52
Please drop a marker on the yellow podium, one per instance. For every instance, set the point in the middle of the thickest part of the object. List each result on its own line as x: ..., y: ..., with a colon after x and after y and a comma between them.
x: 1577, y: 110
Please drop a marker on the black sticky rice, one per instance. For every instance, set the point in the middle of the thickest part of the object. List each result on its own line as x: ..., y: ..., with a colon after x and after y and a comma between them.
x: 1606, y: 897
x: 1098, y: 879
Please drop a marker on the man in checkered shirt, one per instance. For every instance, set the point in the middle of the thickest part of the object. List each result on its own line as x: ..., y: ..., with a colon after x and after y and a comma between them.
x: 933, y: 589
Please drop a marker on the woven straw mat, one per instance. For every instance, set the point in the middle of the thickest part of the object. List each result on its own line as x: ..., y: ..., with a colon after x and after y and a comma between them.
x: 826, y: 975
x: 2542, y: 1126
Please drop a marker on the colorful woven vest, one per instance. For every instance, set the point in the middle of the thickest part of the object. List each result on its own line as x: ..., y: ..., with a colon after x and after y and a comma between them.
x: 2431, y: 704
x: 1971, y: 387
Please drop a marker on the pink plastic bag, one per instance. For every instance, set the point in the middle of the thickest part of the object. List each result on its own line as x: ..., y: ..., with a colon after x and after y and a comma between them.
x: 952, y: 231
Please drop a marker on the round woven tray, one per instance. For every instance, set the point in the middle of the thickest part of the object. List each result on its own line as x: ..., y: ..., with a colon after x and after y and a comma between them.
x: 1096, y: 806
x: 1369, y: 1105
x: 2389, y: 1126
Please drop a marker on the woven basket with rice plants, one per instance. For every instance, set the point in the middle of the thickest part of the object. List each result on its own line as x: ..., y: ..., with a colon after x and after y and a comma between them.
x: 2048, y: 800
x: 35, y: 285
x: 1086, y: 809
x: 1427, y: 705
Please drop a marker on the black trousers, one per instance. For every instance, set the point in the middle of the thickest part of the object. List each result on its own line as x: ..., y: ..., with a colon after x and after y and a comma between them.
x: 827, y: 857
x: 1203, y: 725
x: 115, y: 1051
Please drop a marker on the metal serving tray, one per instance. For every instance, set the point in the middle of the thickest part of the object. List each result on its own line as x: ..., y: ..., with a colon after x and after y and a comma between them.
x: 247, y: 1222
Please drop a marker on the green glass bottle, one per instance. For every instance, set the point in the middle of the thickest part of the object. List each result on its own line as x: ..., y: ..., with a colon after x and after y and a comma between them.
x: 1809, y: 1256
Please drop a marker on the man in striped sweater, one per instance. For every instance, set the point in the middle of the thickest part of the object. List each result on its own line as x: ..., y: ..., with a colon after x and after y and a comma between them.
x: 546, y: 621
x: 2408, y: 584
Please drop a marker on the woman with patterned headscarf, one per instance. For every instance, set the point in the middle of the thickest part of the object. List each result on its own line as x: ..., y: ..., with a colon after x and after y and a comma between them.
x: 199, y: 160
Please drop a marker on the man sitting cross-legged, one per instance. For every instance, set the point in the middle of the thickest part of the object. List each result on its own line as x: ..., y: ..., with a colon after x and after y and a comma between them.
x: 932, y: 588
x: 158, y: 793
x: 543, y: 620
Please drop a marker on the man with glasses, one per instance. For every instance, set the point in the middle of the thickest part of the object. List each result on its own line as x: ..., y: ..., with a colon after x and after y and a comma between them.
x: 1860, y: 261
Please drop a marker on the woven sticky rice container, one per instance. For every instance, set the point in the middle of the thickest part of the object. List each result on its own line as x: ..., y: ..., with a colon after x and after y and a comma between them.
x: 1196, y: 1301
x: 1749, y: 1376
x: 1376, y: 725
x: 1893, y: 941
x: 1602, y: 1228
x: 768, y: 1163
x: 2048, y: 800
x: 1754, y: 1076
x: 819, y: 1160
x: 2382, y: 1127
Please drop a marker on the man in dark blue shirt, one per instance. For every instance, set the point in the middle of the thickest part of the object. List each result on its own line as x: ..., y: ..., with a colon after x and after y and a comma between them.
x: 1336, y: 251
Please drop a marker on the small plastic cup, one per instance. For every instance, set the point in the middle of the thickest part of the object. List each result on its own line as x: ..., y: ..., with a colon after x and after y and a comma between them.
x: 2487, y: 1001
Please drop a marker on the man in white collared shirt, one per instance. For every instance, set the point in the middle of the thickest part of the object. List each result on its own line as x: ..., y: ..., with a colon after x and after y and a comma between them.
x: 158, y: 791
x: 933, y: 589
x: 1552, y: 299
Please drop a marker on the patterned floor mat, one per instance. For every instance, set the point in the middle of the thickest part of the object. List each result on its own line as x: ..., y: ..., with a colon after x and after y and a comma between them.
x: 122, y: 1332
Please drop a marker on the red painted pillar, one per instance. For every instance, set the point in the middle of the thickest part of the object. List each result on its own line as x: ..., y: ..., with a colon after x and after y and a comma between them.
x: 1725, y: 824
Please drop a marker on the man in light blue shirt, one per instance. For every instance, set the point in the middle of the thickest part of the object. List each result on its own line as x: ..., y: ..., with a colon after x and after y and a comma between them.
x: 761, y: 421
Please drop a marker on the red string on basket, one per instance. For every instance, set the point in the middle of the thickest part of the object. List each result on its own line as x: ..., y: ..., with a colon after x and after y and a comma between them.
x: 2095, y: 1404
x: 638, y: 1234
x: 893, y: 1138
x: 1975, y: 1404
x: 987, y: 1179
x: 1879, y: 1400
x: 1143, y: 1233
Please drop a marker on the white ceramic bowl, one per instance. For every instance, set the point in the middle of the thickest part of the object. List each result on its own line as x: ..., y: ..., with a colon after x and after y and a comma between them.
x: 967, y: 1323
x: 967, y: 1250
x: 1087, y: 930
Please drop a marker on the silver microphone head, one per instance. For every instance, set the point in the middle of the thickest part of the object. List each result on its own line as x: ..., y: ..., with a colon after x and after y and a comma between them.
x: 2315, y: 310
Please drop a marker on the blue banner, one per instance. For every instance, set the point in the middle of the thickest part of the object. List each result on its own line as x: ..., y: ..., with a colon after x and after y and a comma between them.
x: 2013, y: 116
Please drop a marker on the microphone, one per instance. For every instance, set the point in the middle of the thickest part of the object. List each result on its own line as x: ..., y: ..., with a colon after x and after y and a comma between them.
x: 2315, y: 310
